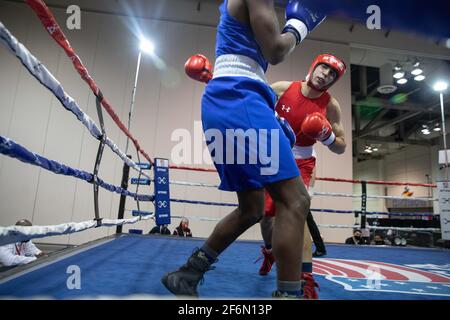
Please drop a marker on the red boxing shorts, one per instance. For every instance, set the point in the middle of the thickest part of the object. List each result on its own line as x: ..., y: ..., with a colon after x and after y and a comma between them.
x: 306, y: 167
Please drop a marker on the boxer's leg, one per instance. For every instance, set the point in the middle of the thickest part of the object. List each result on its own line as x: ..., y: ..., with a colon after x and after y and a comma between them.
x: 249, y: 212
x: 317, y: 238
x: 184, y: 281
x: 266, y: 225
x: 292, y: 204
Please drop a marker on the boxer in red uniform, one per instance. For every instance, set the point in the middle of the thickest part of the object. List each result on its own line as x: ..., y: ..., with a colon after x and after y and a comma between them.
x: 314, y: 116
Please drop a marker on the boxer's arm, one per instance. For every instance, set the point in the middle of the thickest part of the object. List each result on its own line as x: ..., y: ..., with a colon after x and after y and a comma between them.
x: 280, y: 87
x: 275, y: 46
x: 334, y: 116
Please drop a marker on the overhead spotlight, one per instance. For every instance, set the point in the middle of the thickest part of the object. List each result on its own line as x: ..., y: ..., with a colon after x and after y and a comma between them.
x: 416, y: 63
x: 402, y: 81
x: 416, y: 71
x: 425, y: 131
x: 146, y: 46
x: 375, y: 149
x: 398, y: 67
x: 440, y: 86
x: 368, y: 149
x: 420, y: 77
x: 399, y: 74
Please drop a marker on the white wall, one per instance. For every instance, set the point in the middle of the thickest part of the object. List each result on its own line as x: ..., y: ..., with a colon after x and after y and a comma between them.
x: 410, y: 164
x: 165, y: 100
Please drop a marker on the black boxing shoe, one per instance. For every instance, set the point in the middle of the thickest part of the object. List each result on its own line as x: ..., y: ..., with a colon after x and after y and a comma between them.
x: 317, y: 254
x: 184, y: 281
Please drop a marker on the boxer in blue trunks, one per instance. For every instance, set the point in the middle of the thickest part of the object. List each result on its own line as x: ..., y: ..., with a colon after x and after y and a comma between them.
x: 249, y: 144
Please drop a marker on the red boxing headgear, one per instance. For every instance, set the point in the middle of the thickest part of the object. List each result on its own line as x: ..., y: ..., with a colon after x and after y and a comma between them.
x: 333, y: 62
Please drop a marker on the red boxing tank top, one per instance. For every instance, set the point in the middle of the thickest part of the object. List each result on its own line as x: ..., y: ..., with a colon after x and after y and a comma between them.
x: 294, y: 107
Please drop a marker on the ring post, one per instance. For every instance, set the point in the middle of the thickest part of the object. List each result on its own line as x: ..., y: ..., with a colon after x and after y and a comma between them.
x: 123, y: 199
x: 162, y: 192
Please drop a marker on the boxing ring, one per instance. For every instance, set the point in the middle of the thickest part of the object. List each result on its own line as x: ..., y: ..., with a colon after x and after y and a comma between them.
x: 130, y: 265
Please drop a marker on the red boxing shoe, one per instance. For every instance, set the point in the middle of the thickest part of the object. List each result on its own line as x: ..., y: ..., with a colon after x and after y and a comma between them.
x: 309, y: 287
x: 269, y: 259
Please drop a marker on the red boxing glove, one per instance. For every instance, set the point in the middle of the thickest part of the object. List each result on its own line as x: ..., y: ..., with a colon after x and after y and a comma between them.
x: 316, y: 126
x: 198, y: 68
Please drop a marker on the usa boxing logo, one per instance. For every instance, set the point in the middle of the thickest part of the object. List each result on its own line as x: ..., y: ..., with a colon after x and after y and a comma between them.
x: 360, y: 275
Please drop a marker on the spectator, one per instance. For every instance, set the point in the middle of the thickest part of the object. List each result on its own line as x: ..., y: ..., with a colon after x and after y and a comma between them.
x: 379, y: 241
x: 19, y: 253
x: 162, y: 229
x: 183, y: 229
x: 356, y: 239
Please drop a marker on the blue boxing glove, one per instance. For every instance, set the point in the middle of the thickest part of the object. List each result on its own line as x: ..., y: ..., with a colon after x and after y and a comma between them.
x: 288, y: 132
x: 300, y: 20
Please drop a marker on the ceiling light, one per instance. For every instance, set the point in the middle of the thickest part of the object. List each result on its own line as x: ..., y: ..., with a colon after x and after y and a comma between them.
x: 402, y: 81
x: 440, y: 86
x: 399, y: 74
x: 416, y: 71
x: 146, y: 46
x: 420, y: 77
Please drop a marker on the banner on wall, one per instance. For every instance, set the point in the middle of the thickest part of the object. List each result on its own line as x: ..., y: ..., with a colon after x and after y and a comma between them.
x: 443, y: 188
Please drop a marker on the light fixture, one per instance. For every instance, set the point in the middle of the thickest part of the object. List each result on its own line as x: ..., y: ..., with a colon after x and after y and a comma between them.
x: 437, y: 127
x: 416, y: 71
x: 370, y: 148
x: 402, y: 81
x: 398, y: 67
x: 425, y: 131
x: 416, y: 63
x: 146, y: 46
x: 399, y: 74
x: 420, y: 77
x: 440, y: 86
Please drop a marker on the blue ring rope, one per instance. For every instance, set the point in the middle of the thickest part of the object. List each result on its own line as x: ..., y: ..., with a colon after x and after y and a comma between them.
x: 14, y: 150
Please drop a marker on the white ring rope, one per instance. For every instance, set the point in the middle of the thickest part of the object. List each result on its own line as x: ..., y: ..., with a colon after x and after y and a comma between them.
x: 324, y: 194
x: 14, y: 234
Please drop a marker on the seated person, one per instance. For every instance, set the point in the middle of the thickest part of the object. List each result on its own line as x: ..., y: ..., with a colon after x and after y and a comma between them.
x: 183, y: 229
x: 162, y: 229
x: 19, y: 253
x: 356, y: 238
x: 379, y: 241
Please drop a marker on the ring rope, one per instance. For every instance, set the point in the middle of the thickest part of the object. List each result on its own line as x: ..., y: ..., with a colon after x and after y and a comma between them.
x: 14, y: 150
x: 326, y: 194
x: 46, y: 78
x: 314, y: 210
x: 345, y: 195
x: 15, y: 234
x: 52, y: 27
x: 388, y: 183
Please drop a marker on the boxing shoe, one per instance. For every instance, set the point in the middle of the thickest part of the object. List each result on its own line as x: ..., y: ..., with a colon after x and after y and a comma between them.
x: 318, y: 254
x: 268, y: 261
x: 184, y: 281
x: 309, y: 286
